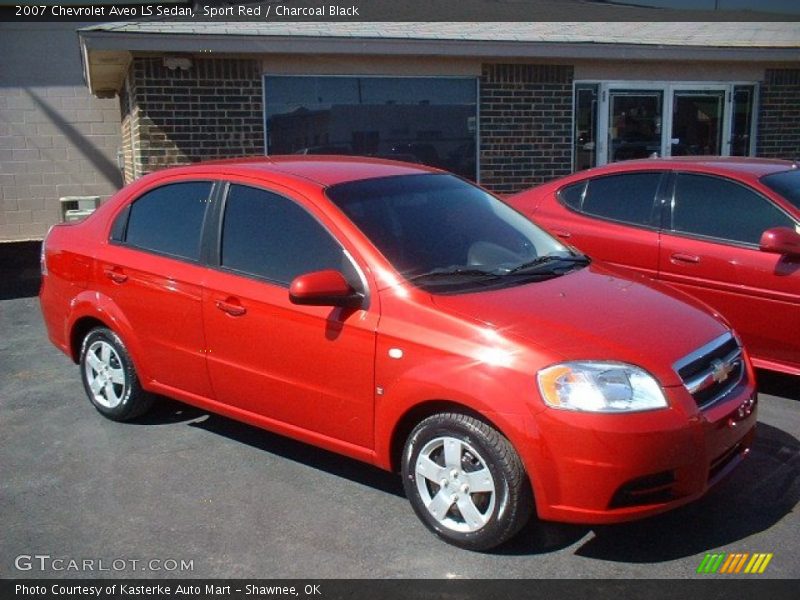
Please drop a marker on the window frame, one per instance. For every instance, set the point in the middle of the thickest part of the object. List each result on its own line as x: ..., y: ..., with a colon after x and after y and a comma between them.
x: 118, y: 231
x: 214, y: 241
x: 669, y: 209
x: 656, y: 214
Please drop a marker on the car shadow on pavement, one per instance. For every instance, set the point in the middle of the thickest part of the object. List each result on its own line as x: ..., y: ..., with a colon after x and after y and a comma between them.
x: 166, y: 411
x: 778, y: 384
x: 757, y: 495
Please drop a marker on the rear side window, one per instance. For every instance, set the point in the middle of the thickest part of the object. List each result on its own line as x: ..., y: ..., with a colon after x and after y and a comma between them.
x: 169, y: 219
x: 629, y: 198
x: 269, y: 236
x: 719, y: 208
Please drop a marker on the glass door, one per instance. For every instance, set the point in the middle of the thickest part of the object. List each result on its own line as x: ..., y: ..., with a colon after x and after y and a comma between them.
x: 698, y: 123
x: 643, y: 119
x: 634, y: 124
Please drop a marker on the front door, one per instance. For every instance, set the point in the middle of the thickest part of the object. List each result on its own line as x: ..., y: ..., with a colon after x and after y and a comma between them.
x: 710, y: 249
x: 309, y: 367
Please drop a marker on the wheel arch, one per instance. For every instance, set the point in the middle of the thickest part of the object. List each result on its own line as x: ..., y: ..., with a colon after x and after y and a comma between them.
x: 80, y: 328
x: 417, y: 413
x: 92, y: 309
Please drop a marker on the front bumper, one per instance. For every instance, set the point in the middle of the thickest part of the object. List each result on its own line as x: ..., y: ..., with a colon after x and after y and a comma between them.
x: 609, y: 468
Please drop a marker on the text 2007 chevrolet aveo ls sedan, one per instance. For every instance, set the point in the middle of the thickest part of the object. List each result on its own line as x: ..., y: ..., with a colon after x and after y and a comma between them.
x: 404, y: 317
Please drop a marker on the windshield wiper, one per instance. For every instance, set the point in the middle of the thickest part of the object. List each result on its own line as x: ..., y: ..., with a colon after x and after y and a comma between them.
x: 455, y: 273
x: 549, y: 263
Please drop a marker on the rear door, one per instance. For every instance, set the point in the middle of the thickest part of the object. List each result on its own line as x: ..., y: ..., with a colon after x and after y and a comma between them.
x: 153, y: 272
x: 614, y: 218
x: 709, y: 248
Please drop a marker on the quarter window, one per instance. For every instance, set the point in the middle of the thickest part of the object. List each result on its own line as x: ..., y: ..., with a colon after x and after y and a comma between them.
x: 169, y: 219
x: 719, y: 208
x: 572, y: 195
x: 269, y: 236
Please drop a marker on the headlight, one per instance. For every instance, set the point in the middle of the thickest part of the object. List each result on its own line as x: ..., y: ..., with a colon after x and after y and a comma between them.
x: 600, y: 387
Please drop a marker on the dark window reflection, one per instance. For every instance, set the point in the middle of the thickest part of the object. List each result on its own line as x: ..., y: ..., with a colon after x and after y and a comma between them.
x: 635, y: 125
x: 722, y: 209
x: 417, y: 119
x: 585, y: 126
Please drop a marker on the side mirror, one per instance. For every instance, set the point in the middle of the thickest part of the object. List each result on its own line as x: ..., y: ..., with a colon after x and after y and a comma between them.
x: 324, y: 288
x: 780, y: 240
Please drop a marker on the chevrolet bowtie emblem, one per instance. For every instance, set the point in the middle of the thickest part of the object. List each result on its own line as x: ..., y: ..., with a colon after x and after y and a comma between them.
x: 720, y: 371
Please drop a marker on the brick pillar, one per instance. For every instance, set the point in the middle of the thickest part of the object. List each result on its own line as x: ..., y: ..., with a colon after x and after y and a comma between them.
x: 779, y: 114
x: 525, y: 125
x: 211, y: 110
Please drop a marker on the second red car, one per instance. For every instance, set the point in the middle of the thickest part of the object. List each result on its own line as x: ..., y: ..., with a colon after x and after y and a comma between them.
x: 725, y: 230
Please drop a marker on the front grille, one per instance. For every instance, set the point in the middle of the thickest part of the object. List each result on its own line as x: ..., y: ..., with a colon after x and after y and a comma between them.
x: 712, y: 372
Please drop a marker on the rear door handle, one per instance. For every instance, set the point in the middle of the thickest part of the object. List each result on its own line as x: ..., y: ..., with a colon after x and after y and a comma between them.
x: 116, y: 275
x: 231, y: 306
x: 562, y: 234
x: 685, y: 258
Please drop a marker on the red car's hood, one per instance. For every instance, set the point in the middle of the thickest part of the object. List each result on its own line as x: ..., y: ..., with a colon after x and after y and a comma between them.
x: 595, y: 313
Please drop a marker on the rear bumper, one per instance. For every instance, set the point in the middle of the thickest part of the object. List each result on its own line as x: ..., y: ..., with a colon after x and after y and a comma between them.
x: 592, y: 468
x: 54, y: 314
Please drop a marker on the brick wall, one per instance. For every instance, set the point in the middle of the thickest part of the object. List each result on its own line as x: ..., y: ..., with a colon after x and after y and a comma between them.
x: 525, y: 125
x: 211, y: 110
x: 779, y: 115
x: 55, y: 138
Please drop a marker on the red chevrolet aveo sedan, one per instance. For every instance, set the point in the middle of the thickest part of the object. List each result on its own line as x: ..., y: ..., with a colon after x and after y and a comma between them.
x: 725, y: 230
x: 401, y: 316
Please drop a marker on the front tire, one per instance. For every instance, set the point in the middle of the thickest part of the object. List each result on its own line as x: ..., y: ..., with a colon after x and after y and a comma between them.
x: 465, y: 481
x: 109, y: 377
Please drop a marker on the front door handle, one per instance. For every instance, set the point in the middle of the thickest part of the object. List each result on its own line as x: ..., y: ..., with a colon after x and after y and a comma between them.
x: 679, y: 257
x: 562, y: 233
x: 231, y: 306
x: 116, y: 275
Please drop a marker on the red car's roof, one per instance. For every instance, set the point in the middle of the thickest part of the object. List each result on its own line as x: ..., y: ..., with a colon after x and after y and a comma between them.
x: 722, y: 165
x: 323, y: 170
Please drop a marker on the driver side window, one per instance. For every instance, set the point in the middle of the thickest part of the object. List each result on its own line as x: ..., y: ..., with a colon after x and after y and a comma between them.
x: 271, y: 237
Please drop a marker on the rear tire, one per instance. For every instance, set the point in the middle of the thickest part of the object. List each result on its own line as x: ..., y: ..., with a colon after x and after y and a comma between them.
x: 109, y: 377
x: 465, y: 481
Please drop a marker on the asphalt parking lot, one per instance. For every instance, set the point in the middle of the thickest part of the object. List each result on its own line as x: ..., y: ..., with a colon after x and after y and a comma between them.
x: 184, y: 485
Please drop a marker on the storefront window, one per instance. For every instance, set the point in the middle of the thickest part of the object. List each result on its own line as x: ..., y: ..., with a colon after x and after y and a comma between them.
x: 427, y: 120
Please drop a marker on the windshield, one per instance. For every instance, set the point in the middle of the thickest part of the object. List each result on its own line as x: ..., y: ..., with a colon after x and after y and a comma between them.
x: 447, y: 235
x: 786, y: 183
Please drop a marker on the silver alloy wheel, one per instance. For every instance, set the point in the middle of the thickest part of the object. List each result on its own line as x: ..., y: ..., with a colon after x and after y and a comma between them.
x: 105, y: 374
x: 455, y: 484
